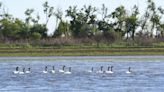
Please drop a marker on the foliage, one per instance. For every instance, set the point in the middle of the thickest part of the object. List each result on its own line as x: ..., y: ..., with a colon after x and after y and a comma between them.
x: 39, y: 29
x: 87, y: 24
x: 62, y: 30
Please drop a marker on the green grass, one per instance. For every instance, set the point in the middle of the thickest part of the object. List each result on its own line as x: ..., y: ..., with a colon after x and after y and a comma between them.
x: 80, y: 51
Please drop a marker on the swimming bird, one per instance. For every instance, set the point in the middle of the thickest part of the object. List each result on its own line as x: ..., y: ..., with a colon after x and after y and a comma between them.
x: 62, y: 70
x: 129, y: 70
x: 45, y: 70
x: 108, y: 71
x: 22, y: 72
x: 16, y: 70
x: 68, y: 72
x: 53, y: 69
x: 111, y: 70
x: 28, y: 71
x: 90, y: 71
x: 101, y: 70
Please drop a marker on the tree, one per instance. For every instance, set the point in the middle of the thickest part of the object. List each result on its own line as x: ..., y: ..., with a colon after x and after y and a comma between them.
x: 36, y: 36
x: 103, y: 25
x: 161, y: 30
x: 89, y: 27
x: 21, y: 29
x: 58, y: 14
x: 82, y: 21
x: 48, y: 11
x: 131, y: 25
x: 36, y: 20
x: 28, y: 13
x: 155, y: 16
x: 132, y: 22
x: 6, y: 30
x: 62, y: 30
x: 119, y: 16
x: 106, y: 29
x: 144, y: 22
x: 104, y: 12
x: 13, y: 29
x: 39, y: 28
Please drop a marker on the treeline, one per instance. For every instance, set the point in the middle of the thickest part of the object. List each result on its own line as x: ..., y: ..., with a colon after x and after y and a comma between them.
x: 86, y: 25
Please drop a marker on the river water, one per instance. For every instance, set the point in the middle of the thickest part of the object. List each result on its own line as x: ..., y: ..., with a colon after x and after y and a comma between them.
x: 147, y: 74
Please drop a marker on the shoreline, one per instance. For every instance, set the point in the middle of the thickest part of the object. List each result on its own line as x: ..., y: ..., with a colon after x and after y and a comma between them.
x: 35, y: 52
x: 85, y: 58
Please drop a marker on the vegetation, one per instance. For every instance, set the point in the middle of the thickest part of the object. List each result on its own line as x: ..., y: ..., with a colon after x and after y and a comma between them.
x: 119, y: 28
x: 78, y: 51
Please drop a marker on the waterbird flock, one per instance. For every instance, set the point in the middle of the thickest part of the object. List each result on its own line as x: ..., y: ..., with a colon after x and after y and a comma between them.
x: 22, y: 72
x: 68, y: 70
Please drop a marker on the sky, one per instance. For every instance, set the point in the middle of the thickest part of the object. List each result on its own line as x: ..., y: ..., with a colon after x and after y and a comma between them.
x: 18, y: 7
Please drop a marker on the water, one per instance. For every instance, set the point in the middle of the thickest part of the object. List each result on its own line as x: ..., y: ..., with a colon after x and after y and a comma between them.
x: 147, y: 74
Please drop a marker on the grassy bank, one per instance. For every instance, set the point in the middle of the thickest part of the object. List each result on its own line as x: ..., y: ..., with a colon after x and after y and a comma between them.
x: 80, y: 51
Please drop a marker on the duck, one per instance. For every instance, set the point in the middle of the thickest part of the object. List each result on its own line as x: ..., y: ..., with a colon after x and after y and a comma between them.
x: 28, y: 71
x: 62, y: 70
x: 129, y: 70
x: 68, y: 72
x: 53, y: 69
x: 101, y: 70
x: 45, y: 70
x: 22, y: 72
x: 90, y: 71
x: 16, y: 70
x: 111, y: 70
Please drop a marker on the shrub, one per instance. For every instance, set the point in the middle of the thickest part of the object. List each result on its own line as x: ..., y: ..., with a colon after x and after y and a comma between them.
x: 36, y: 36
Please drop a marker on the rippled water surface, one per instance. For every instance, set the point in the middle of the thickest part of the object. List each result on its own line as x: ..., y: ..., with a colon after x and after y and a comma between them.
x: 147, y: 74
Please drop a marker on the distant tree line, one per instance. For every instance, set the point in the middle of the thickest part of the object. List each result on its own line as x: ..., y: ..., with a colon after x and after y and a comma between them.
x: 87, y: 24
